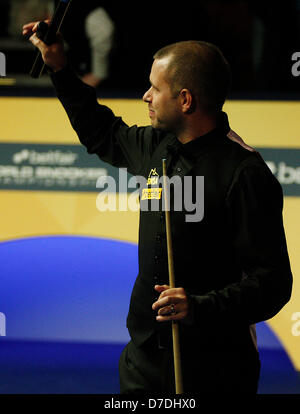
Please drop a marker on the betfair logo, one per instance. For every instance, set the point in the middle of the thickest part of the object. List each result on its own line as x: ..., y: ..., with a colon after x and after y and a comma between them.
x: 2, y: 64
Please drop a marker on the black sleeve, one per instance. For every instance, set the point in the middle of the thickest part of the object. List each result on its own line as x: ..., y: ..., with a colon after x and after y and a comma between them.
x: 254, y: 203
x: 98, y: 129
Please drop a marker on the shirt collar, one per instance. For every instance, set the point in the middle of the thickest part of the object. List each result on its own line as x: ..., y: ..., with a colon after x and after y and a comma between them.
x: 192, y: 149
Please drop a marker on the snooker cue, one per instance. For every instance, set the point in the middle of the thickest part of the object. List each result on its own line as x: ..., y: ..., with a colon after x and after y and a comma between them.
x: 50, y: 36
x: 175, y: 330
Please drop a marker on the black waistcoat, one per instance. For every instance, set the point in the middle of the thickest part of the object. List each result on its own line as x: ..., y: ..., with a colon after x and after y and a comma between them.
x: 204, y: 258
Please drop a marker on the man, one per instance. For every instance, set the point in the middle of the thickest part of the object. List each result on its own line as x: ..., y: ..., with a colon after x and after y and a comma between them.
x: 231, y: 265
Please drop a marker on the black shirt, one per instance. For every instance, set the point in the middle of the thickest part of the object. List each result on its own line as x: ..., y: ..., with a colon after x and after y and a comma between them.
x: 233, y: 262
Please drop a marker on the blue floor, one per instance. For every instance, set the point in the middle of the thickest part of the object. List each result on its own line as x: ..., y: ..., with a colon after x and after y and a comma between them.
x: 59, y: 368
x: 73, y: 368
x: 278, y: 375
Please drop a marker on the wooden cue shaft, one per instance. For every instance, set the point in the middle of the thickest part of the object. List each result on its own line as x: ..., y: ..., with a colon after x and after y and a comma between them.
x: 175, y: 330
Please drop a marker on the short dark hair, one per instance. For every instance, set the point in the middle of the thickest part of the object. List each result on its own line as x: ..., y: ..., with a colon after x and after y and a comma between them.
x: 199, y: 67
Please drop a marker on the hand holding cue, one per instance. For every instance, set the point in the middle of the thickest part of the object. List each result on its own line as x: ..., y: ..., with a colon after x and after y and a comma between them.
x: 50, y: 36
x: 175, y: 330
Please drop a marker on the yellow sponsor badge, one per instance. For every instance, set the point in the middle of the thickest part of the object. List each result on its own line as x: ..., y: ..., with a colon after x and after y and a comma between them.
x: 151, y: 193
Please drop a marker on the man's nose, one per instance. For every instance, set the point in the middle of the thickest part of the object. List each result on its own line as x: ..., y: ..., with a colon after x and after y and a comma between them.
x: 147, y: 96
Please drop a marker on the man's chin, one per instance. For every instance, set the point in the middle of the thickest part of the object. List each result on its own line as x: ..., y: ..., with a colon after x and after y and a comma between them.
x: 158, y: 125
x: 154, y: 124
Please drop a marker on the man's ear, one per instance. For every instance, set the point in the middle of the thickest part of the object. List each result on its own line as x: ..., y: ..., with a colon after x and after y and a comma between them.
x: 188, y: 102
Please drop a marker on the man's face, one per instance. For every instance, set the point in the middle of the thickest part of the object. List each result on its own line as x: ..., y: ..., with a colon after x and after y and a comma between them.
x: 164, y: 108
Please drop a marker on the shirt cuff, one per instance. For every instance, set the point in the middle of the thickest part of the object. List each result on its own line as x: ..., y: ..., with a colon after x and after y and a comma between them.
x: 190, y: 318
x: 66, y: 80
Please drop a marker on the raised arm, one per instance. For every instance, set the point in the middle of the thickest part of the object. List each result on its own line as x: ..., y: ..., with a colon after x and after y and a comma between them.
x: 98, y: 129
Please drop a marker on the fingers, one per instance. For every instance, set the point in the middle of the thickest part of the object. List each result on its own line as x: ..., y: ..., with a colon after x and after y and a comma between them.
x: 172, y: 304
x: 161, y: 288
x: 165, y: 290
x: 37, y: 42
x: 53, y: 55
x: 169, y: 310
x: 30, y: 28
x: 173, y: 312
x: 164, y: 303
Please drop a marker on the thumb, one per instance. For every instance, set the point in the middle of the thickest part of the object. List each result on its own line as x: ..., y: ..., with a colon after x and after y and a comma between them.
x: 37, y: 42
x: 161, y: 288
